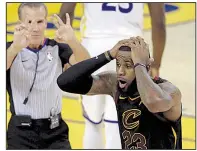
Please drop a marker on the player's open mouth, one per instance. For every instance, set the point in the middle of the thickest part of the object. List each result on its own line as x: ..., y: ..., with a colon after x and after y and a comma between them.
x: 122, y: 84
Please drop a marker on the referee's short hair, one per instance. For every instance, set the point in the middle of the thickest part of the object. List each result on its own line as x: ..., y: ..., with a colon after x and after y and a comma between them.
x: 31, y: 5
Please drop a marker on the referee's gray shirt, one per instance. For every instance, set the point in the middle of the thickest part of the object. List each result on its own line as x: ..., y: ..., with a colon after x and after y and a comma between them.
x: 45, y: 93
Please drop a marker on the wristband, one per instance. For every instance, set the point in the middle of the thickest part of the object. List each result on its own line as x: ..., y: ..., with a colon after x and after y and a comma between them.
x: 139, y: 64
x: 108, y: 56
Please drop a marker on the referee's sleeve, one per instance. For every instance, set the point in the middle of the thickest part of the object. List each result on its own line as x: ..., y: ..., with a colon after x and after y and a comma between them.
x: 8, y: 44
x: 64, y: 52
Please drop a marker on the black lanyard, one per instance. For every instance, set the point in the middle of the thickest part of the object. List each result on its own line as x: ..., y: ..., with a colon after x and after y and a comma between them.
x: 26, y: 99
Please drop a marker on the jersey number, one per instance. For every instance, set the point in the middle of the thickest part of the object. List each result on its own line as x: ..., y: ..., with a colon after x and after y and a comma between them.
x: 107, y: 7
x: 138, y: 141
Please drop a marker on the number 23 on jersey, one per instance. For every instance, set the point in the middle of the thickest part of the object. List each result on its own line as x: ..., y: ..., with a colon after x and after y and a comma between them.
x: 111, y: 7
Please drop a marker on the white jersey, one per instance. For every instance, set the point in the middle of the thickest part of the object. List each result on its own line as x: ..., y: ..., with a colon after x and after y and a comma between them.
x: 112, y: 19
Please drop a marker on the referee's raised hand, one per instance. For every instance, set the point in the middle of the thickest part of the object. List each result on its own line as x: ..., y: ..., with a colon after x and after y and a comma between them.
x: 65, y: 32
x: 21, y: 36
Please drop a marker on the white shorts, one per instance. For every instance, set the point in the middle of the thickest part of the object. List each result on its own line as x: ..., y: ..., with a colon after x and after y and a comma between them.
x: 100, y: 107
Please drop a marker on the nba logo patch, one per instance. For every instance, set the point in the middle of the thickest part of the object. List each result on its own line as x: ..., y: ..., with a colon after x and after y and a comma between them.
x: 49, y: 56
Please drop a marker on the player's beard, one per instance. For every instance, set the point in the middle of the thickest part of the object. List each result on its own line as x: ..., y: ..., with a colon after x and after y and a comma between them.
x: 131, y: 90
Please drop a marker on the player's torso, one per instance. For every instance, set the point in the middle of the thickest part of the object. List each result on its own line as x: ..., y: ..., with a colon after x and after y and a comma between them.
x: 141, y: 129
x: 112, y: 19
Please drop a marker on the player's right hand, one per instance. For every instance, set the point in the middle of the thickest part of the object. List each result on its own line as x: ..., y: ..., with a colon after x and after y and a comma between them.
x: 115, y: 49
x: 21, y: 37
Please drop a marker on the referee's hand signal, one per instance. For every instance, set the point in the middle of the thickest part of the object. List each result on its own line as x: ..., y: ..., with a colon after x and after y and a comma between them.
x: 21, y: 36
x: 65, y: 32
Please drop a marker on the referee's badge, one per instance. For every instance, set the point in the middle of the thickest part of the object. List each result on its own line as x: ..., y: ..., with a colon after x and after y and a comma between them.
x: 49, y: 56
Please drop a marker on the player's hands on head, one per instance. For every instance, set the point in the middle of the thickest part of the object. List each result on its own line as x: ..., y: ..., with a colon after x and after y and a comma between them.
x: 64, y: 32
x: 140, y: 51
x: 115, y: 49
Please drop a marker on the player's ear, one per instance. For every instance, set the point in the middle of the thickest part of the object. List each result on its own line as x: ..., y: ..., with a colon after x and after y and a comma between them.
x: 148, y: 68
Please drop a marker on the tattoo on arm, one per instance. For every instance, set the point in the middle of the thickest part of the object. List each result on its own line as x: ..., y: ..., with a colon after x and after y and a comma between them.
x: 104, y: 83
x: 172, y: 90
x: 174, y: 112
x: 153, y: 96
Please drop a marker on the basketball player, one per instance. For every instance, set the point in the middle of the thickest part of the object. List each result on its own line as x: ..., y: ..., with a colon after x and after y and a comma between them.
x: 149, y: 110
x: 102, y: 26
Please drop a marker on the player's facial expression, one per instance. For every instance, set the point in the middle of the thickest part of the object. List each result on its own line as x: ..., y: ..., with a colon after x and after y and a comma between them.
x: 125, y: 69
x: 35, y: 19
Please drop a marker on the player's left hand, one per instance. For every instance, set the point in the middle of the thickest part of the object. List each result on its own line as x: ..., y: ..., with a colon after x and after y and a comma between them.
x: 65, y: 32
x: 139, y: 51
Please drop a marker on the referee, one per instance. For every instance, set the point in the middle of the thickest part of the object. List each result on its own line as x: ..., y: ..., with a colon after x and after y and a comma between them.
x: 33, y: 64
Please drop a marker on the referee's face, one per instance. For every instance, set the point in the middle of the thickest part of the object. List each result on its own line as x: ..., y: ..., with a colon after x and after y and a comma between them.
x: 125, y: 69
x: 35, y: 19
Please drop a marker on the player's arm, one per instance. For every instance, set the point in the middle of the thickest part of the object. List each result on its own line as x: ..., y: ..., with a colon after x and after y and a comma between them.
x: 67, y: 8
x: 104, y: 83
x: 163, y: 97
x: 78, y: 79
x: 157, y: 13
x: 175, y: 111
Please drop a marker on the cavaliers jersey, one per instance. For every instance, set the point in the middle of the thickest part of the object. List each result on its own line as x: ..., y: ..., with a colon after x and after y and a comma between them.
x: 112, y: 19
x: 141, y: 129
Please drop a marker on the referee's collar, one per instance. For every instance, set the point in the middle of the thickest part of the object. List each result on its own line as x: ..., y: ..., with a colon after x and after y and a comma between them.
x: 40, y: 47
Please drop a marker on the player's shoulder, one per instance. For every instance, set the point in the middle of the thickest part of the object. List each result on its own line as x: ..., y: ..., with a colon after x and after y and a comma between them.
x: 107, y: 78
x: 109, y: 74
x: 167, y: 86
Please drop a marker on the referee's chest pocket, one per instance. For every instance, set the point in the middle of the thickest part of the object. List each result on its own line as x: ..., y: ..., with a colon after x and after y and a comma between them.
x: 28, y: 62
x: 24, y: 61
